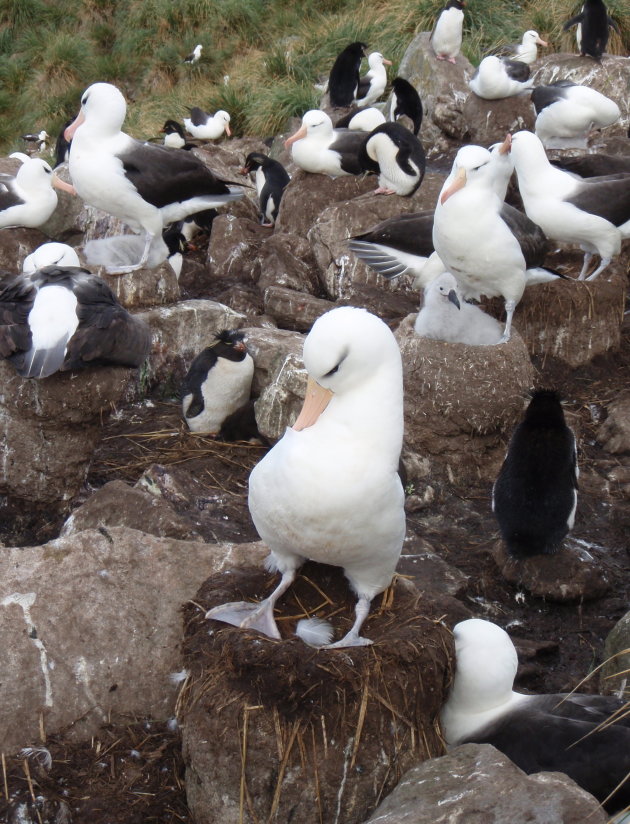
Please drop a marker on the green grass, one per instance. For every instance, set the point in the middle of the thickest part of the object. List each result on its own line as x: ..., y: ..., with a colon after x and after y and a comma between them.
x: 273, y: 52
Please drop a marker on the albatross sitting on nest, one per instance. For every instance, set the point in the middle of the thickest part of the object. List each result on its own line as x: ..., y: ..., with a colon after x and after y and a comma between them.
x: 329, y: 490
x: 145, y: 185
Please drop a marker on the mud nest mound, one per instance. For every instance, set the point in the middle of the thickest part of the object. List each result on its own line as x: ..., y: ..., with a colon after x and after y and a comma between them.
x: 280, y: 731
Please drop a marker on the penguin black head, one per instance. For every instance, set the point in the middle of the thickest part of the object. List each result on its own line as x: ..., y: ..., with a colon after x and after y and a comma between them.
x: 545, y: 409
x: 254, y: 160
x: 172, y: 127
x: 230, y: 344
x: 455, y: 4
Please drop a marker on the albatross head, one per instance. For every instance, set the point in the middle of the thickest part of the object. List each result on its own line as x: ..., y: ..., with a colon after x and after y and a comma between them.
x: 314, y: 123
x: 471, y: 163
x: 103, y: 107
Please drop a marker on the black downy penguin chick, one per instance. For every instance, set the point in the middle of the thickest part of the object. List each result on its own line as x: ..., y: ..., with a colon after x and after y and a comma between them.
x: 344, y: 77
x: 63, y: 318
x: 397, y: 156
x: 535, y: 494
x: 271, y: 178
x: 218, y: 382
x: 406, y: 101
x: 593, y: 23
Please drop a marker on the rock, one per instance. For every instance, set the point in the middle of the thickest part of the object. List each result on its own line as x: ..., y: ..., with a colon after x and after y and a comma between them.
x: 615, y: 673
x: 49, y: 428
x: 280, y: 401
x: 144, y: 287
x: 428, y: 571
x: 286, y: 261
x: 16, y: 244
x: 477, y: 783
x: 490, y: 120
x: 307, y: 195
x: 574, y: 320
x: 278, y: 731
x: 271, y: 350
x: 610, y: 77
x: 294, y: 310
x: 234, y: 244
x: 342, y: 274
x: 180, y: 332
x: 94, y: 626
x: 118, y: 504
x: 571, y: 574
x: 614, y: 433
x: 443, y: 89
x: 453, y: 391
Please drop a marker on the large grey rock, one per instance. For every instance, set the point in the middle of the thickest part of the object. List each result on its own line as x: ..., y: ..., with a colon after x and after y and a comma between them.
x: 453, y: 391
x: 286, y: 260
x: 614, y: 433
x: 490, y: 120
x: 476, y: 784
x: 234, y: 244
x: 615, y: 674
x: 294, y: 310
x: 271, y: 350
x: 611, y: 77
x: 16, y: 244
x: 443, y: 89
x: 91, y: 625
x: 280, y: 401
x: 50, y: 427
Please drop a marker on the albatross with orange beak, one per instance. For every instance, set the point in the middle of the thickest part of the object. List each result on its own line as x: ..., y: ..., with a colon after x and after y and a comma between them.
x: 329, y: 490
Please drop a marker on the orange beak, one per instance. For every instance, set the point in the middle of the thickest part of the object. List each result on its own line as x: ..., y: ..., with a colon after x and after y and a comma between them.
x: 58, y: 183
x: 69, y: 132
x: 228, y: 130
x: 456, y: 185
x: 541, y: 42
x: 505, y: 147
x: 301, y: 132
x: 387, y: 62
x: 315, y: 401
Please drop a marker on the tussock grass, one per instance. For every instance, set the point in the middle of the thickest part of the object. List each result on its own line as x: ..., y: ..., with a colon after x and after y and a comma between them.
x: 272, y: 51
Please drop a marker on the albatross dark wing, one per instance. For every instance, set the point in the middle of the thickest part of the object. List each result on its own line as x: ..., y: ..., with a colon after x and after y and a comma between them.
x: 608, y: 197
x: 531, y: 238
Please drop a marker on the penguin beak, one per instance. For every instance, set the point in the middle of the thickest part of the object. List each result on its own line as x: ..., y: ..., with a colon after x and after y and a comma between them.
x: 452, y: 296
x: 244, y: 171
x: 456, y: 185
x: 301, y: 132
x: 315, y: 401
x: 540, y: 42
x: 505, y: 147
x: 69, y: 132
x: 240, y: 346
x: 60, y: 184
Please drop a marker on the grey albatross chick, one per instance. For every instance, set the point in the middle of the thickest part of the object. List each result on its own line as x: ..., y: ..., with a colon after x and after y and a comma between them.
x: 594, y: 213
x: 329, y: 490
x: 406, y: 101
x: 446, y: 37
x: 535, y: 494
x: 145, y: 185
x: 446, y: 316
x: 491, y: 248
x: 271, y: 179
x: 218, y: 382
x: 344, y: 77
x: 318, y: 148
x: 398, y: 158
x: 592, y: 24
x: 587, y: 737
x: 62, y: 318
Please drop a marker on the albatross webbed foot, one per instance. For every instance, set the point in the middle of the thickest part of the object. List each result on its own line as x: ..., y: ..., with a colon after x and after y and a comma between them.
x: 247, y: 616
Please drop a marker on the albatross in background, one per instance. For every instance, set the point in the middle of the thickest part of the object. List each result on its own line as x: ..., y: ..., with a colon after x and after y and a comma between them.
x: 372, y: 86
x: 594, y: 213
x: 146, y: 185
x: 329, y: 490
x: 587, y: 737
x: 567, y: 112
x: 206, y: 126
x: 526, y: 51
x: 497, y: 77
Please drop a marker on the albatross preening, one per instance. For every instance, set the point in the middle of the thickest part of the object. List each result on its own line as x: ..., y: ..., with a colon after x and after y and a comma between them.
x: 594, y: 213
x: 329, y: 490
x: 145, y: 185
x: 567, y: 112
x: 535, y: 494
x: 587, y: 737
x: 62, y: 318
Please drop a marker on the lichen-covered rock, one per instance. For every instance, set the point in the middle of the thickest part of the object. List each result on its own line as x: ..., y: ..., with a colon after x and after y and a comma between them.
x: 271, y: 349
x: 477, y: 783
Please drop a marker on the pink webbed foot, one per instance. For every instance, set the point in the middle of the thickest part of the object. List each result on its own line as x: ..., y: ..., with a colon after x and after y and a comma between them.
x: 247, y: 616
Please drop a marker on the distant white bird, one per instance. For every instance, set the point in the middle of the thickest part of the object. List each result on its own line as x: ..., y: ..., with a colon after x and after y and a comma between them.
x: 568, y: 112
x: 526, y: 51
x: 206, y: 126
x: 194, y: 56
x: 446, y: 316
x: 594, y: 213
x: 372, y: 85
x: 446, y: 37
x: 497, y: 78
x: 28, y: 197
x: 39, y: 140
x: 329, y: 490
x: 361, y: 120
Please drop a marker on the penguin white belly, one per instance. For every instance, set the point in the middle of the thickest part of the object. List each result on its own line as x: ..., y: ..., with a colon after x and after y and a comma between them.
x: 225, y: 389
x: 447, y: 37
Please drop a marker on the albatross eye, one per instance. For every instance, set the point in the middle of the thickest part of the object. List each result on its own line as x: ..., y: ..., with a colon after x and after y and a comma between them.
x: 333, y: 371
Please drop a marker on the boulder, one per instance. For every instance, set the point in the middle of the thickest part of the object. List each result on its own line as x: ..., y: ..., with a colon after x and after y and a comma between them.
x: 49, y: 428
x: 477, y: 783
x: 614, y: 676
x: 234, y: 244
x: 614, y: 433
x: 272, y: 350
x: 443, y: 89
x: 294, y: 310
x: 286, y: 261
x: 278, y: 731
x: 490, y: 120
x: 280, y: 401
x: 15, y: 245
x: 453, y: 391
x: 92, y: 627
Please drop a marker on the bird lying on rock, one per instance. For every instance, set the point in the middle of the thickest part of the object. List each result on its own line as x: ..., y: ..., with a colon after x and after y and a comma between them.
x: 329, y: 490
x: 28, y: 197
x: 587, y: 737
x: 318, y: 148
x: 62, y: 318
x: 567, y: 112
x: 206, y: 126
x: 497, y: 77
x: 397, y: 156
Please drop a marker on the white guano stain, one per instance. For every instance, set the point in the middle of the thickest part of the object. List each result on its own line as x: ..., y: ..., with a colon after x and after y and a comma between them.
x: 25, y: 601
